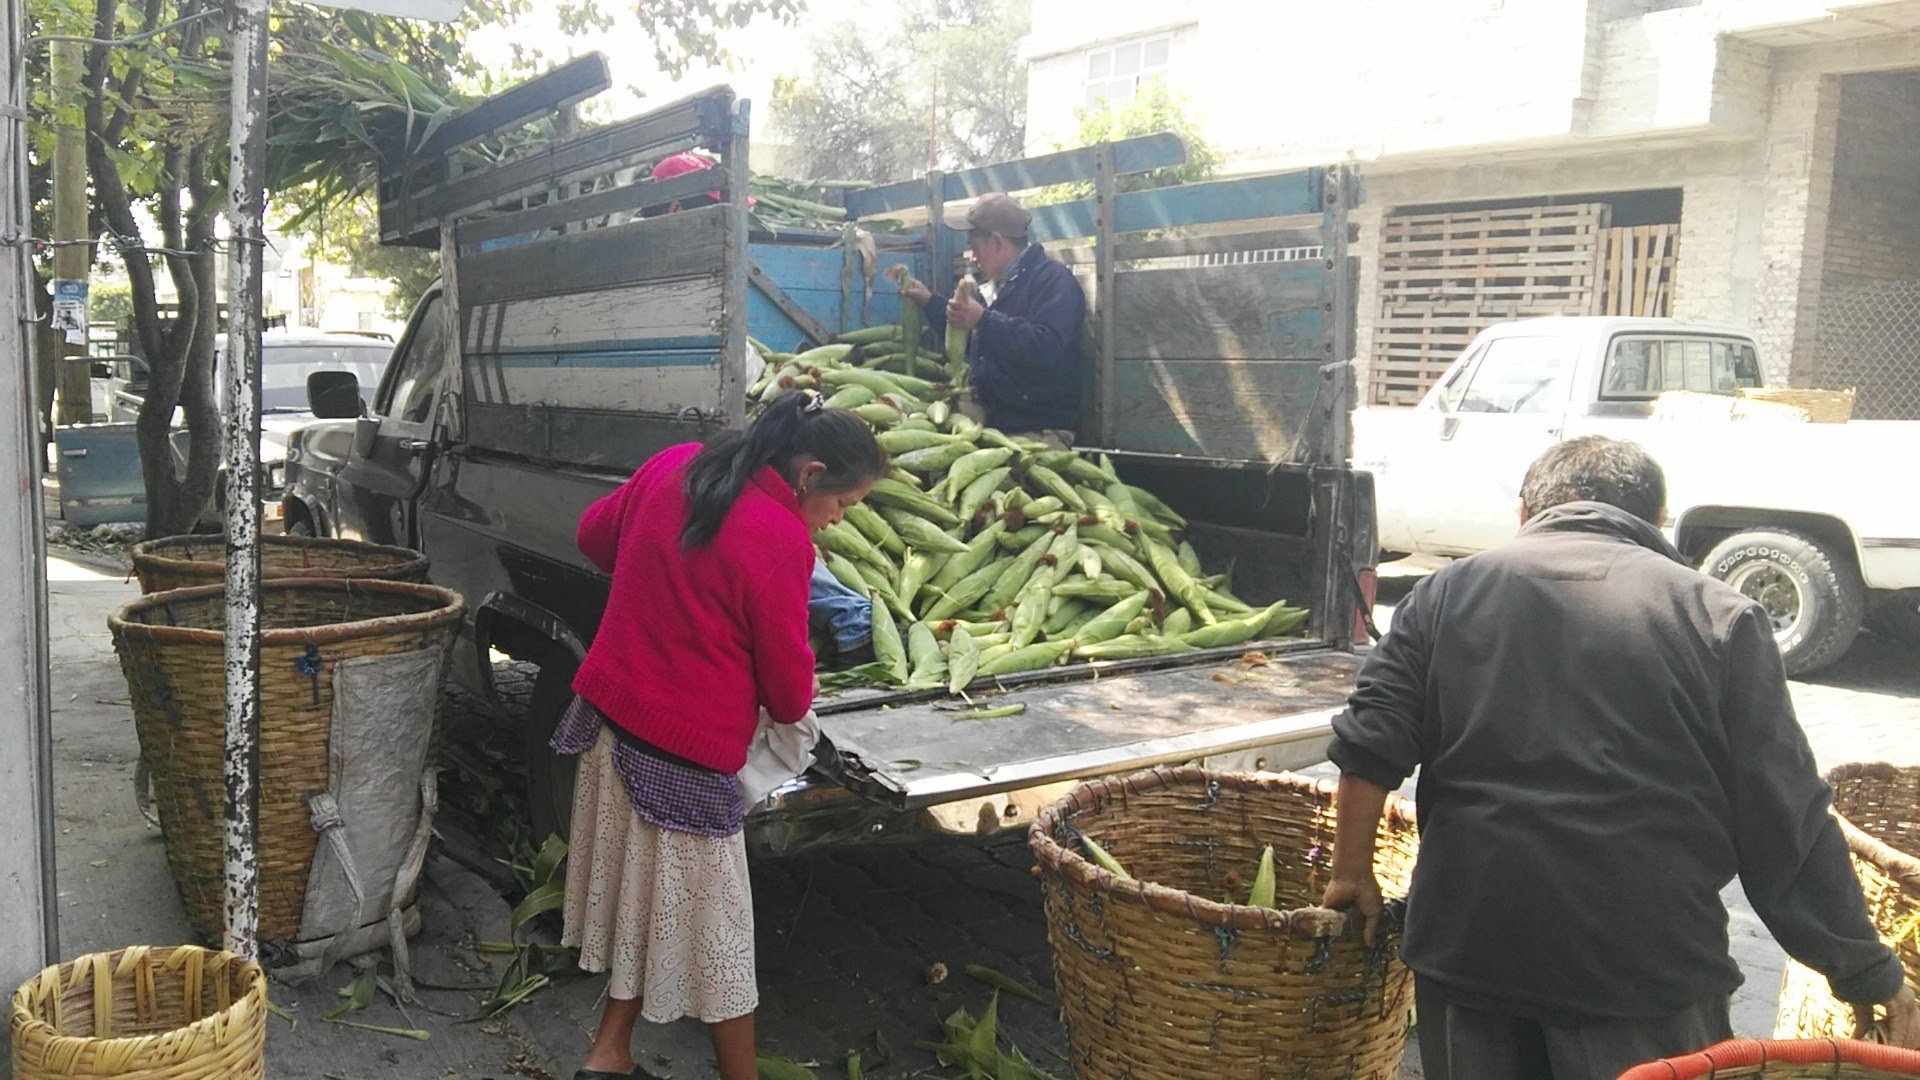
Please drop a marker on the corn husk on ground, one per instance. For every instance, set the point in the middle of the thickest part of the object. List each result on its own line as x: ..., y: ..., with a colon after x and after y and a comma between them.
x: 987, y: 556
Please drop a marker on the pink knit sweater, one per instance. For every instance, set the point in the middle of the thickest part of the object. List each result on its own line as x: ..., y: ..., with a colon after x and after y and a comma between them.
x: 694, y: 643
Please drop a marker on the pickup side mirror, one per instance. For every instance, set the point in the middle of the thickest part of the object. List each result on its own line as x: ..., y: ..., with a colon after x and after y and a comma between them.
x: 335, y: 395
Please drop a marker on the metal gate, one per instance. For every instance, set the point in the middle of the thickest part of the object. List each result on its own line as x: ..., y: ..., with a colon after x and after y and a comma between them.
x: 1870, y: 340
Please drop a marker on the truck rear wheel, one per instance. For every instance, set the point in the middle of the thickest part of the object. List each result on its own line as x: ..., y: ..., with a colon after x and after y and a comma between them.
x: 549, y: 775
x: 1813, y: 596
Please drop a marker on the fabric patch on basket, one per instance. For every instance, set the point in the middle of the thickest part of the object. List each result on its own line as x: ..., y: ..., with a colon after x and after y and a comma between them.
x: 383, y: 712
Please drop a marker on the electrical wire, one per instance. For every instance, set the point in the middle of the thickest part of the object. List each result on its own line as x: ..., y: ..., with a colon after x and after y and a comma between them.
x: 126, y: 245
x: 135, y: 39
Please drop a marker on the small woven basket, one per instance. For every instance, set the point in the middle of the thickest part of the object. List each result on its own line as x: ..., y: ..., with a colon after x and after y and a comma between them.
x: 143, y: 1014
x: 1805, y: 1059
x: 1157, y: 979
x: 182, y: 562
x: 172, y: 651
x: 1879, y: 810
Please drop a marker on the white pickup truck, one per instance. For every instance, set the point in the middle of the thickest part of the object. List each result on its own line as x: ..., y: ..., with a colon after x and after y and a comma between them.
x: 1807, y: 518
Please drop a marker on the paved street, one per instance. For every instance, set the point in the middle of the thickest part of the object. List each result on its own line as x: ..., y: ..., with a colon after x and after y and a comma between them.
x: 846, y: 939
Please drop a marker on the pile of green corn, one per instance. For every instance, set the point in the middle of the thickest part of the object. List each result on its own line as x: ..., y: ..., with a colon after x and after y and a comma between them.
x: 986, y: 555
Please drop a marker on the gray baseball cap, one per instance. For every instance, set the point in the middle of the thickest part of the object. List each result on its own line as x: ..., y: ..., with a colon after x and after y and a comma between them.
x: 995, y: 212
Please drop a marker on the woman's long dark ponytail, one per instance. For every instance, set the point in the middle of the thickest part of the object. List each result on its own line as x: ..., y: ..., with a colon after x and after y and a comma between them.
x: 794, y: 425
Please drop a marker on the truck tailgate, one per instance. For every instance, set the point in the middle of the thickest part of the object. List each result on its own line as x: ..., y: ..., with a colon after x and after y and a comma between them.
x: 1082, y: 723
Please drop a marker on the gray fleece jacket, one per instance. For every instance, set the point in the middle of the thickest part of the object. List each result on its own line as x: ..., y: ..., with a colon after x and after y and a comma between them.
x: 1604, y: 741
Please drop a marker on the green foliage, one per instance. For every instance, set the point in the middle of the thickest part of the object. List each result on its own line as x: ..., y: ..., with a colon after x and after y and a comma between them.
x: 109, y: 303
x: 942, y: 86
x: 344, y: 88
x: 348, y: 234
x: 1154, y: 108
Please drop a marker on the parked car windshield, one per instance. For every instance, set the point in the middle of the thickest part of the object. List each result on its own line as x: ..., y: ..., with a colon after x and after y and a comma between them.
x: 284, y: 370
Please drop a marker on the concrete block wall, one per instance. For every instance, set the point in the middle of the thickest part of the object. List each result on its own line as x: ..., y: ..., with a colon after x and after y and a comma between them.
x: 1797, y: 179
x: 1873, y: 229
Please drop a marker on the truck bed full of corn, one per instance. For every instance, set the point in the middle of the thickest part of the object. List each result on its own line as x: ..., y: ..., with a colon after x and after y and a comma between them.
x: 986, y: 555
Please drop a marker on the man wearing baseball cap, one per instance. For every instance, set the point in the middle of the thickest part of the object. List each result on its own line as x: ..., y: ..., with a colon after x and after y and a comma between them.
x: 1023, y: 351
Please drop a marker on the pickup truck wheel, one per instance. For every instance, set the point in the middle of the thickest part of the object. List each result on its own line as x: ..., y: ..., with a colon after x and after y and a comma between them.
x: 549, y: 775
x: 1896, y: 613
x: 1813, y: 597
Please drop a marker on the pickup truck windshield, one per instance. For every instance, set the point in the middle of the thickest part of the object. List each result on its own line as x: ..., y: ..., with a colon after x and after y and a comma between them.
x: 284, y: 370
x: 1519, y: 375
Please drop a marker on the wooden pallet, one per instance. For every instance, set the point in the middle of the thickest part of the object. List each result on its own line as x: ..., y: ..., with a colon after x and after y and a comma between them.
x: 1444, y: 277
x: 1638, y: 262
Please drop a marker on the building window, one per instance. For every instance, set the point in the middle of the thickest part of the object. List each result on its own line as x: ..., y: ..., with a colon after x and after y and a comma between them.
x: 1114, y: 74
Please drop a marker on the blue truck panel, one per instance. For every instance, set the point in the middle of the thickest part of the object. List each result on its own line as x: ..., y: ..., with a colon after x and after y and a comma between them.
x: 823, y: 283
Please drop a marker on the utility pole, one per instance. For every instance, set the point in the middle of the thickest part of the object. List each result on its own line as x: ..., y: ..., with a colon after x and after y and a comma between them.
x: 28, y: 939
x: 246, y: 233
x: 70, y: 261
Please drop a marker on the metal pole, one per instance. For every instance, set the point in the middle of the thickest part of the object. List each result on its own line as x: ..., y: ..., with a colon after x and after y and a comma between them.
x: 29, y: 937
x: 246, y: 234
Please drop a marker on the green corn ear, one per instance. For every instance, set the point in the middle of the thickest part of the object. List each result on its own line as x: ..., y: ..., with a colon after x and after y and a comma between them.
x: 1108, y: 624
x: 1025, y: 658
x: 848, y: 541
x: 1104, y: 590
x: 915, y: 571
x: 963, y: 660
x: 1178, y: 622
x: 1008, y: 588
x: 1179, y: 585
x: 848, y: 397
x: 1130, y: 647
x: 871, y: 525
x: 907, y: 440
x: 1054, y: 484
x: 923, y: 652
x: 921, y: 534
x: 980, y: 490
x: 980, y: 550
x: 892, y: 492
x: 966, y: 468
x: 888, y: 649
x: 1189, y: 558
x: 872, y: 335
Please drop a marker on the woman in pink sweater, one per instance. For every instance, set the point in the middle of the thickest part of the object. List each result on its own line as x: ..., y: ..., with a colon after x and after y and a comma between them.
x: 705, y: 626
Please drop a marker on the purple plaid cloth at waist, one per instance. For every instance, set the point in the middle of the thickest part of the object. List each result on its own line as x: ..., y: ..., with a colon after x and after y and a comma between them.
x: 666, y: 792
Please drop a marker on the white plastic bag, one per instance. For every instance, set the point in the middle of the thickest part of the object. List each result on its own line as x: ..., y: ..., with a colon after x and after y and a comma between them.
x: 778, y: 753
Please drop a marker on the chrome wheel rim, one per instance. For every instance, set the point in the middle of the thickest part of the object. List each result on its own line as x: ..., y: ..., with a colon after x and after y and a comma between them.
x: 1776, y: 591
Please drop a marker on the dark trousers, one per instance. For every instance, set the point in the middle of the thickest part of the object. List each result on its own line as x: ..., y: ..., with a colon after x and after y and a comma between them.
x: 1458, y: 1043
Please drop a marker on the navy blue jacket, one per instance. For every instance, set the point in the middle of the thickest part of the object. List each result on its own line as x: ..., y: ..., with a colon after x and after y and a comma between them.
x: 1024, y: 359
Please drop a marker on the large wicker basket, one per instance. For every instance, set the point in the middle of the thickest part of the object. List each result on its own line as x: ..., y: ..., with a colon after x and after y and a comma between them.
x: 172, y: 650
x: 1879, y: 810
x: 181, y: 562
x: 1157, y: 979
x: 1827, y: 1059
x: 143, y: 1014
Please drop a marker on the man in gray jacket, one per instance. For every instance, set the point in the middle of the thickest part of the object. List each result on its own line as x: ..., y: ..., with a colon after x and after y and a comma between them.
x: 1604, y: 741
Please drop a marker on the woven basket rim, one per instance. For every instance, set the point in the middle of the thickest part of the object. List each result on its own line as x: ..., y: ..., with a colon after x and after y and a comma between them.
x: 1746, y: 1053
x: 1898, y: 864
x: 22, y: 1002
x: 149, y: 553
x: 450, y: 608
x: 1304, y: 922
